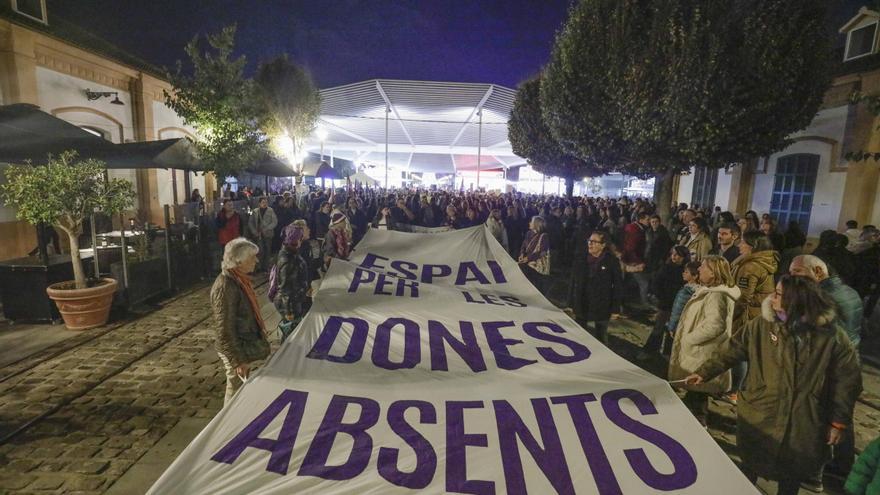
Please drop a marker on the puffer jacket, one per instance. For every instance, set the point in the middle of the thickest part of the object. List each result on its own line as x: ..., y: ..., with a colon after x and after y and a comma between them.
x: 753, y: 274
x: 849, y: 306
x: 699, y: 245
x: 705, y: 324
x: 293, y: 282
x: 236, y: 325
x: 864, y: 478
x: 681, y: 299
x: 800, y: 381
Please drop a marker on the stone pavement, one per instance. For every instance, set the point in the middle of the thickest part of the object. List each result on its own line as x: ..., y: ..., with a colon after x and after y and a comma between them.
x: 108, y: 410
x: 93, y: 411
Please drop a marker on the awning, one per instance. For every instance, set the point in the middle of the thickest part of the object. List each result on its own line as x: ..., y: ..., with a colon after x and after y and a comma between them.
x: 272, y: 166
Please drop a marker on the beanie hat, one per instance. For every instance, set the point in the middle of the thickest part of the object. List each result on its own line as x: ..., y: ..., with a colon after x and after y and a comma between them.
x: 336, y: 218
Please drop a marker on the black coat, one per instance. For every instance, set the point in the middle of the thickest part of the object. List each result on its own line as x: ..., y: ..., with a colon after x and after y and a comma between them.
x: 595, y: 296
x: 666, y: 283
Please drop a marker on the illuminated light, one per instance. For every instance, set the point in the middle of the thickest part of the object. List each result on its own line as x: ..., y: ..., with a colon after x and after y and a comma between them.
x: 321, y: 133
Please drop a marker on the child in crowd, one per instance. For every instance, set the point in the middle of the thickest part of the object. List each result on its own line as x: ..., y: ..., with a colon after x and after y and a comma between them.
x: 691, y: 282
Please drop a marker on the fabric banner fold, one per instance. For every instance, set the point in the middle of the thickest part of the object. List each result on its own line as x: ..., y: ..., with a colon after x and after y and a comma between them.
x: 429, y: 364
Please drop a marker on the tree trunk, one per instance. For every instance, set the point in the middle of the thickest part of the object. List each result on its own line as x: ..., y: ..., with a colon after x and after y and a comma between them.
x: 569, y: 187
x: 663, y: 194
x: 79, y: 275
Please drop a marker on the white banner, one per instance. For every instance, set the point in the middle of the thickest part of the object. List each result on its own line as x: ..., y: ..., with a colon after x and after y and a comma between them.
x: 429, y: 364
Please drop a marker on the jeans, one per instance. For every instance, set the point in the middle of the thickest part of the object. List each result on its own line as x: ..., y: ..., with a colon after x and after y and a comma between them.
x: 738, y: 373
x: 643, y: 280
x: 265, y: 245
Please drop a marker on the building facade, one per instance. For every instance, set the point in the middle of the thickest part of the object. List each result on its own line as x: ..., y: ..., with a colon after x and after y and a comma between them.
x: 811, y: 181
x: 49, y: 63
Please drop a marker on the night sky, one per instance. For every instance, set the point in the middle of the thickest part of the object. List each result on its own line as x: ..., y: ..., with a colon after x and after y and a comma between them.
x: 344, y: 41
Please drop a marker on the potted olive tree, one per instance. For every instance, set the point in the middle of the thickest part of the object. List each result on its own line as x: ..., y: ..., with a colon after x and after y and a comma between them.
x: 63, y: 193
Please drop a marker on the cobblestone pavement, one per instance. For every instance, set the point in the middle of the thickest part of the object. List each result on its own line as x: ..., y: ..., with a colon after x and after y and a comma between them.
x: 90, y: 410
x: 109, y: 400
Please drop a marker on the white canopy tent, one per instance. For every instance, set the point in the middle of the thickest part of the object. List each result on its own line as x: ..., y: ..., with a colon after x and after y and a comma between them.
x: 417, y: 126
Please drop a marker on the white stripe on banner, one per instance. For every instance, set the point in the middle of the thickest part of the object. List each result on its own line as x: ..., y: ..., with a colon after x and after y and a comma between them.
x: 429, y: 364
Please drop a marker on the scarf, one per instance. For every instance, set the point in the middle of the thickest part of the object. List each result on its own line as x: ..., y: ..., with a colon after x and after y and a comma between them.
x: 342, y: 246
x: 244, y: 282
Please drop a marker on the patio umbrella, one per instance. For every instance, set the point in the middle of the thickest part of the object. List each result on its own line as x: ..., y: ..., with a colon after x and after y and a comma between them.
x: 272, y: 166
x: 176, y: 153
x: 29, y: 134
x: 325, y: 171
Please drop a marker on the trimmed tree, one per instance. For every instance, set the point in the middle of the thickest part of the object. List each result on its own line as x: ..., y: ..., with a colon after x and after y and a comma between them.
x: 531, y: 139
x: 63, y: 193
x: 290, y: 101
x: 659, y: 86
x: 213, y: 96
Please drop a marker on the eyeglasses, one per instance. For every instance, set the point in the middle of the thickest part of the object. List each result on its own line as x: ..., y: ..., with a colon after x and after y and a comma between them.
x: 591, y: 241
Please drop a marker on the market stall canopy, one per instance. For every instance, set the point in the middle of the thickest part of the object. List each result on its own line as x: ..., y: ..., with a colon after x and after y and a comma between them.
x: 29, y: 134
x: 429, y: 124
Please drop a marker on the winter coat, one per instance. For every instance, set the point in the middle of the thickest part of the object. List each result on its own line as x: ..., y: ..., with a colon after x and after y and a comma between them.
x: 799, y: 382
x: 864, y: 478
x: 705, y: 324
x: 227, y: 228
x: 681, y: 299
x: 633, y: 251
x: 262, y: 223
x: 659, y: 244
x: 389, y: 221
x: 293, y: 282
x: 849, y: 307
x: 699, y: 245
x: 596, y: 295
x: 666, y: 283
x: 753, y: 274
x: 236, y: 325
x: 730, y: 254
x: 496, y: 228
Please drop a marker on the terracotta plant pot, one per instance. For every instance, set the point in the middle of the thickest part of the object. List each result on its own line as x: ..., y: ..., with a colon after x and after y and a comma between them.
x: 83, y: 308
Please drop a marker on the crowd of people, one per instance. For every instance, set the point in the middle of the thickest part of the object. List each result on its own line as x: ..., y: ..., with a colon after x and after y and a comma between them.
x: 740, y: 308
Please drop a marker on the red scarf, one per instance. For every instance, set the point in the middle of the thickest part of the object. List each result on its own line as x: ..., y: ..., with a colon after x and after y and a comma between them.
x: 244, y: 282
x: 342, y: 246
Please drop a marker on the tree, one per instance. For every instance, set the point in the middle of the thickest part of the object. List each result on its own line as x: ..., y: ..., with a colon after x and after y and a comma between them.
x: 64, y: 193
x: 220, y: 103
x: 659, y: 86
x: 290, y: 100
x: 531, y: 139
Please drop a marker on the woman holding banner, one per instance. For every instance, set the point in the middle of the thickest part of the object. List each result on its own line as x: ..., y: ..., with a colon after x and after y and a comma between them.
x: 240, y: 336
x: 597, y: 289
x: 801, y: 387
x: 534, y: 256
x: 705, y: 324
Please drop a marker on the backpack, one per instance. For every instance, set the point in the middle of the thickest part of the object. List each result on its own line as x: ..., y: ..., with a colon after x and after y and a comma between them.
x: 273, y: 283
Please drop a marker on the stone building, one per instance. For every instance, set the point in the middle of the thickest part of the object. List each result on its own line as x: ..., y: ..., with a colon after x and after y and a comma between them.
x: 811, y: 181
x: 51, y: 63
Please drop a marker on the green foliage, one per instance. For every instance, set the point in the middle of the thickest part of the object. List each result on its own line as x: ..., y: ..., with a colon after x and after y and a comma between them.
x: 531, y: 138
x: 220, y: 103
x: 64, y: 192
x: 652, y: 86
x: 289, y: 98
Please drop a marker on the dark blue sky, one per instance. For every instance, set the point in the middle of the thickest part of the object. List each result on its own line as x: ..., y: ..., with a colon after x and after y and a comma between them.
x: 344, y: 41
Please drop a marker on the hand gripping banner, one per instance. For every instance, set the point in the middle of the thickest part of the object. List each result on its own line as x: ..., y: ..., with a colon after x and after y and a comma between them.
x: 429, y: 364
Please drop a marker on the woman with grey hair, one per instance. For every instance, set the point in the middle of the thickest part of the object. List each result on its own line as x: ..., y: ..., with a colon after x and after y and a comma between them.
x: 534, y: 256
x: 240, y: 337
